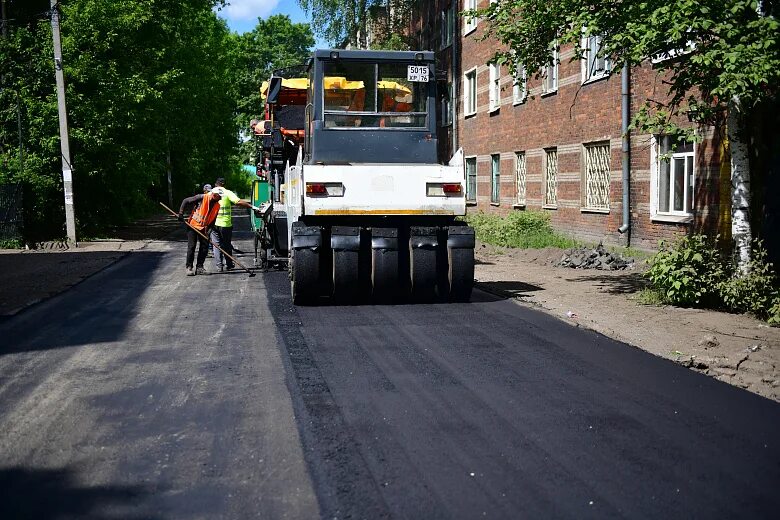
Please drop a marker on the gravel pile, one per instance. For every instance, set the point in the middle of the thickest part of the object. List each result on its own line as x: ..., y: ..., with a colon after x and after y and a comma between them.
x: 596, y: 258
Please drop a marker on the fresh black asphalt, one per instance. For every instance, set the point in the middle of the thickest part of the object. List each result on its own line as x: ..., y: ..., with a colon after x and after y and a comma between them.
x: 141, y: 393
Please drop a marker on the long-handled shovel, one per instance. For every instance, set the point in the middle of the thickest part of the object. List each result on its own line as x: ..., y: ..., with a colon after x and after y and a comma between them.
x: 242, y: 266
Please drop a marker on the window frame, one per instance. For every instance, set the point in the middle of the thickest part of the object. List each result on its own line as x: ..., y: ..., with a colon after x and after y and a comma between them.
x: 471, y: 197
x: 521, y: 202
x: 589, y: 75
x: 519, y: 88
x: 494, y: 87
x: 447, y: 27
x: 469, y: 92
x: 547, y: 201
x: 586, y: 182
x: 547, y: 90
x: 447, y: 106
x: 495, y: 179
x: 689, y: 180
x: 470, y: 24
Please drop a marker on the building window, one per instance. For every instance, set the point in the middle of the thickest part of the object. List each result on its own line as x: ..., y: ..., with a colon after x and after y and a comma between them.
x: 594, y: 66
x: 470, y: 92
x: 446, y: 106
x: 471, y: 179
x: 519, y: 85
x: 597, y: 176
x: 495, y: 87
x: 495, y: 178
x: 551, y: 177
x: 520, y: 174
x: 447, y: 27
x: 470, y: 23
x: 550, y: 79
x: 675, y: 168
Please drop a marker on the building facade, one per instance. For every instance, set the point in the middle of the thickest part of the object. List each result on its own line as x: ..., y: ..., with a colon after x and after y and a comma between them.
x: 554, y: 143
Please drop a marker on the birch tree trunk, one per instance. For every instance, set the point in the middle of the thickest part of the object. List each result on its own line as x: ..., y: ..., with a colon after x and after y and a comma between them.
x: 740, y: 185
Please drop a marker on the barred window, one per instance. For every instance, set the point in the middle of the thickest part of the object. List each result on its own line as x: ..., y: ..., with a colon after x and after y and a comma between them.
x: 520, y: 174
x: 551, y: 177
x: 495, y: 178
x: 597, y: 176
x: 471, y: 178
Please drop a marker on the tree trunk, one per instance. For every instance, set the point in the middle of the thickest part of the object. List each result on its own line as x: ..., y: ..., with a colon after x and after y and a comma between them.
x: 740, y: 185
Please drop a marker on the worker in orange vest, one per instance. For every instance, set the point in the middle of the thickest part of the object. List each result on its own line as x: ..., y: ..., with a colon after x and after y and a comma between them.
x: 202, y: 219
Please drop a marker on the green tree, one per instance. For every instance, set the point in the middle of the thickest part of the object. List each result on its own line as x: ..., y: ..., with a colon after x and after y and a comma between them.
x: 274, y: 43
x: 149, y: 87
x: 715, y: 56
x: 349, y: 22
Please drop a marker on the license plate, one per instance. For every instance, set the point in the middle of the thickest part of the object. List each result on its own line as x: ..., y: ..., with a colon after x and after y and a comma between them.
x: 417, y: 73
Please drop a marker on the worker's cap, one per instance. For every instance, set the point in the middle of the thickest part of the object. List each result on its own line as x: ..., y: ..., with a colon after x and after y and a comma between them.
x: 217, y: 191
x: 207, y: 187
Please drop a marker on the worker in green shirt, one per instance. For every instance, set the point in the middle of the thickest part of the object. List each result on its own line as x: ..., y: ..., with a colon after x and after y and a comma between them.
x: 222, y: 232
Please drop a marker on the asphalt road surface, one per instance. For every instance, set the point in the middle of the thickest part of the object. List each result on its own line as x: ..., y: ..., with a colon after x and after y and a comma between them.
x: 142, y: 393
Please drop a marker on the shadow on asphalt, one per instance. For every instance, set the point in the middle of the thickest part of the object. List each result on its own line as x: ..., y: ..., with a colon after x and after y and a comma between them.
x: 509, y: 289
x: 55, y: 493
x: 93, y: 314
x: 625, y: 283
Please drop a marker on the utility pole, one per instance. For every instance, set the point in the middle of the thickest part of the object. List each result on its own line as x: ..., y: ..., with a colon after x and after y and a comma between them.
x: 67, y: 166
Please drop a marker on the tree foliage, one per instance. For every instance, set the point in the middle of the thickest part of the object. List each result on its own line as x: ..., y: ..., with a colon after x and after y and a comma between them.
x: 275, y: 43
x: 150, y: 85
x: 709, y: 51
x: 350, y: 22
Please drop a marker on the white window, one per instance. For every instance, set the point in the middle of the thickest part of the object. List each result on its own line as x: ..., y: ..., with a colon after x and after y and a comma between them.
x: 594, y: 65
x: 469, y: 23
x: 446, y: 106
x: 550, y: 80
x: 596, y: 176
x: 495, y: 178
x: 520, y: 174
x: 519, y: 85
x: 471, y: 179
x: 551, y: 177
x: 447, y: 26
x: 470, y: 92
x: 495, y: 87
x: 675, y: 176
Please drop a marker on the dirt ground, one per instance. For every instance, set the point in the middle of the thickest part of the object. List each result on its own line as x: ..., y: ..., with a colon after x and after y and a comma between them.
x: 736, y: 349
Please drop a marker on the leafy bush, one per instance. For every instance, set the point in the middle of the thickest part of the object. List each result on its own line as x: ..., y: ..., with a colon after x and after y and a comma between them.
x: 693, y: 272
x: 522, y: 229
x: 756, y: 290
x: 687, y: 272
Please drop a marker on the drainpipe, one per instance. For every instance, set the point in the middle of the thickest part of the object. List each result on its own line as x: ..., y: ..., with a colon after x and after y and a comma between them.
x: 625, y: 94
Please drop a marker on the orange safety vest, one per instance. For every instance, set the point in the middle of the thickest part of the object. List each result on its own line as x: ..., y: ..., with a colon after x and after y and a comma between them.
x: 205, y: 214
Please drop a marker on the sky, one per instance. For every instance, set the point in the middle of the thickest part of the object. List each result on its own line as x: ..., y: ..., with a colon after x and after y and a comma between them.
x: 242, y: 15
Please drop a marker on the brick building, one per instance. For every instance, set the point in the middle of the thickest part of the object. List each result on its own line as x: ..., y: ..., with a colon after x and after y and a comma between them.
x: 555, y: 145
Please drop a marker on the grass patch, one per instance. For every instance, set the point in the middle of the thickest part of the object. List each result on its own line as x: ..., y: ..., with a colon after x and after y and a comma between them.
x: 11, y: 243
x: 520, y: 229
x: 650, y: 296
